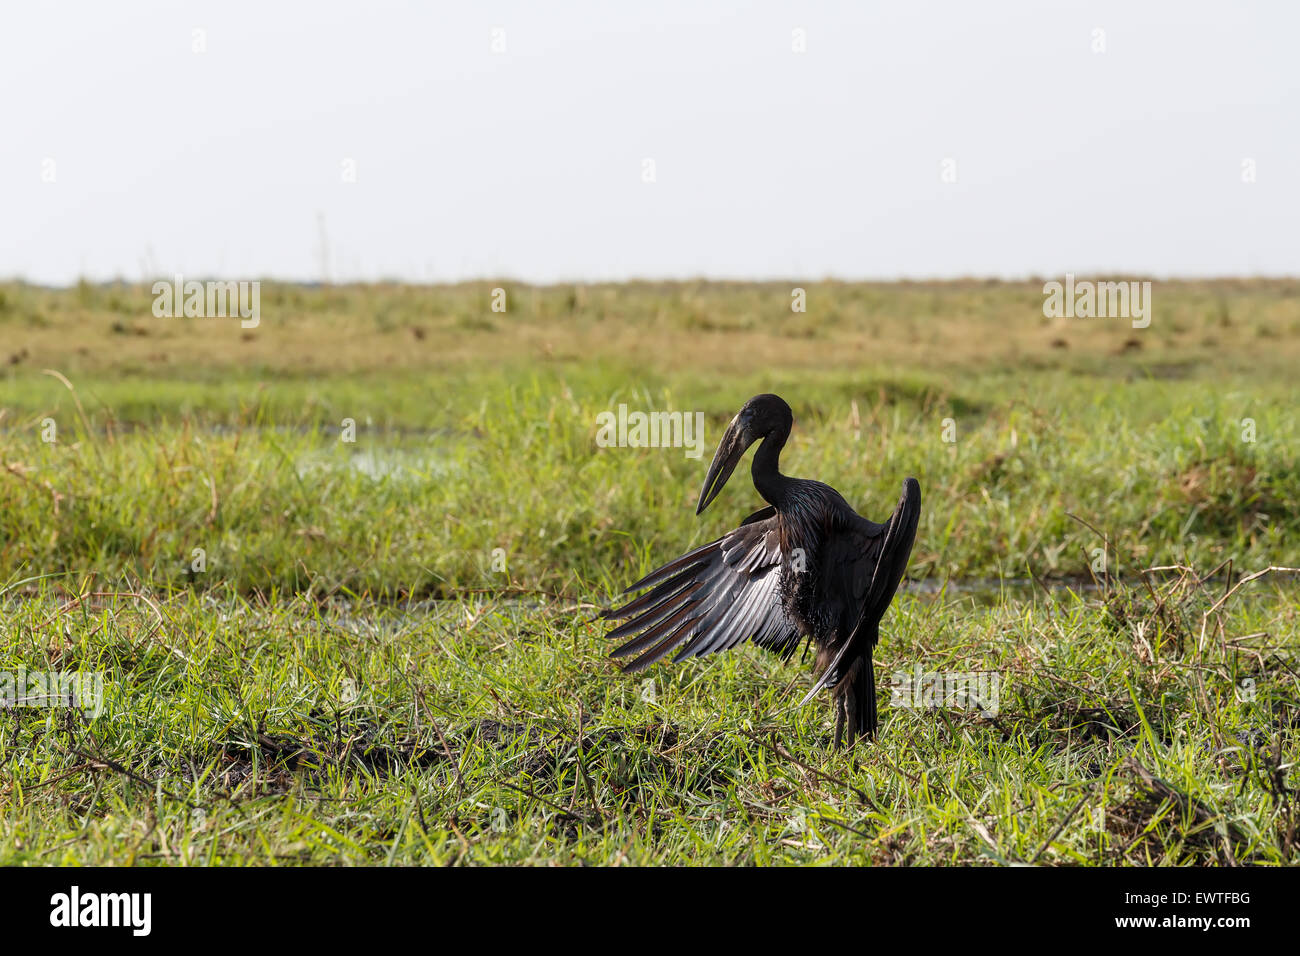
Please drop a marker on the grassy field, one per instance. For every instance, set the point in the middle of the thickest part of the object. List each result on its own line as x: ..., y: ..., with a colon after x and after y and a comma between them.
x: 317, y: 649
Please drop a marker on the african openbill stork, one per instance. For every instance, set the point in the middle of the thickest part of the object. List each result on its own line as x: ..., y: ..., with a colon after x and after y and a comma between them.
x: 807, y: 565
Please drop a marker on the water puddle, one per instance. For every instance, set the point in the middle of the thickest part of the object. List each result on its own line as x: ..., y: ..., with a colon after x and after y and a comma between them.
x: 389, y: 464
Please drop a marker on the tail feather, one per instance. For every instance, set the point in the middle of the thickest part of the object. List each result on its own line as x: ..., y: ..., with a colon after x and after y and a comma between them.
x: 865, y: 692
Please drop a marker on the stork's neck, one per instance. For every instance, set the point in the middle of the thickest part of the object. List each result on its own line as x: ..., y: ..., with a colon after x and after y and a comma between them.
x: 768, y: 480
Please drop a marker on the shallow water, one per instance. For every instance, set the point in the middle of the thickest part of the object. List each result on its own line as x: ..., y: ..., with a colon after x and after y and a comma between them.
x: 379, y: 465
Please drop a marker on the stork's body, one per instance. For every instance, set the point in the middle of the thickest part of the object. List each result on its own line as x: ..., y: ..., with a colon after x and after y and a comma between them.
x: 808, y: 565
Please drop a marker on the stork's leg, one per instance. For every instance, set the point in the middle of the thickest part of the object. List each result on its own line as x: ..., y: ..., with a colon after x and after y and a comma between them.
x: 851, y: 703
x: 872, y: 708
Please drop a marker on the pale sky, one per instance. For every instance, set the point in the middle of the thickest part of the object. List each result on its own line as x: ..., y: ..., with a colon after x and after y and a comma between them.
x: 530, y: 163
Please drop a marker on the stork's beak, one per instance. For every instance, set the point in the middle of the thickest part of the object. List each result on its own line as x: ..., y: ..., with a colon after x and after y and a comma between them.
x: 730, y: 450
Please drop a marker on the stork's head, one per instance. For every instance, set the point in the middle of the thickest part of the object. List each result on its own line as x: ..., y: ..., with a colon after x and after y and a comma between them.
x: 759, y: 417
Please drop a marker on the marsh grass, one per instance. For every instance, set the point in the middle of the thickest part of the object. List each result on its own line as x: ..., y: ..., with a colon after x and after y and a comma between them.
x: 494, y: 731
x: 515, y: 493
x: 386, y: 656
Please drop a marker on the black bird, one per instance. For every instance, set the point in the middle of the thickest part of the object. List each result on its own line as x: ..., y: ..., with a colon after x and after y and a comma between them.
x: 806, y: 566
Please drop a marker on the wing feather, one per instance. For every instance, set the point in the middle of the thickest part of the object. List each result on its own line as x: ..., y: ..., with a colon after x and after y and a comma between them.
x: 710, y: 599
x: 875, y: 559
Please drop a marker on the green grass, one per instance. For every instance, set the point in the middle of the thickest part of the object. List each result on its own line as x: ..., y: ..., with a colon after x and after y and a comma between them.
x: 421, y: 514
x: 382, y: 657
x: 491, y: 731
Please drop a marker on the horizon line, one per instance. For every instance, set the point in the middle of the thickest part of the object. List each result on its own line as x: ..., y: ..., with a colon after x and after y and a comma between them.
x: 1027, y: 279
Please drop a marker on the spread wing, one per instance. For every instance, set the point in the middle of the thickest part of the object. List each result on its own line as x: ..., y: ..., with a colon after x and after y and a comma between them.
x: 869, y: 561
x: 883, y: 557
x: 711, y: 599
